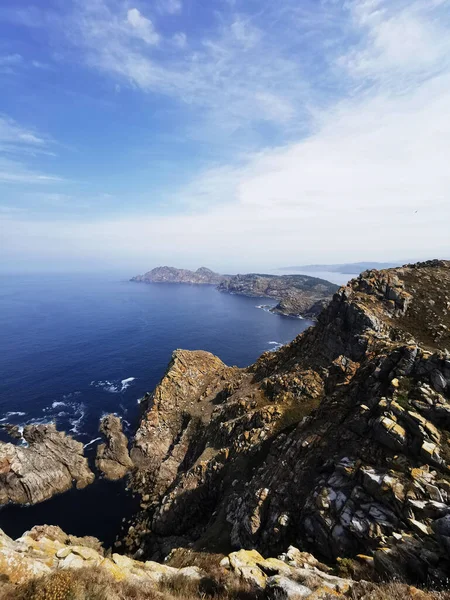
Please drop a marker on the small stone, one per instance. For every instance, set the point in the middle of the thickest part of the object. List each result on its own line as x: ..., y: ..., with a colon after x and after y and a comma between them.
x: 419, y: 527
x: 282, y: 588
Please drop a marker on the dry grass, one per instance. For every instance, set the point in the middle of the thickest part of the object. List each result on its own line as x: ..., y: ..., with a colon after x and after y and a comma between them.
x: 83, y: 584
x: 97, y: 584
x: 394, y: 591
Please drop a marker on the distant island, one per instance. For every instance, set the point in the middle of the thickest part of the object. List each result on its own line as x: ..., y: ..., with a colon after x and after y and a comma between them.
x: 201, y: 276
x: 350, y: 268
x: 297, y: 295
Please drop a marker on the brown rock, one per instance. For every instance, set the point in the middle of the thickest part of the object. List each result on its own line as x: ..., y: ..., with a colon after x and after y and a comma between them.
x: 49, y: 465
x: 113, y: 458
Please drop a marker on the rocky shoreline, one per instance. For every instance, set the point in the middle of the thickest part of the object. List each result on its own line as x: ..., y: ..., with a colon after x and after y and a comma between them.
x: 334, y: 446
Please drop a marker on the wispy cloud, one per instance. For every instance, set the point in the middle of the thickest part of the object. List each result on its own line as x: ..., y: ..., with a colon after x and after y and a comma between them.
x: 170, y: 7
x: 17, y: 145
x: 142, y: 27
x: 9, y: 63
x: 240, y: 73
x: 399, y: 43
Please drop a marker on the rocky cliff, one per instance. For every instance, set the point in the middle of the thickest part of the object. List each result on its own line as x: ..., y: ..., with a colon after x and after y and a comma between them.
x: 338, y: 443
x: 172, y: 275
x: 297, y: 294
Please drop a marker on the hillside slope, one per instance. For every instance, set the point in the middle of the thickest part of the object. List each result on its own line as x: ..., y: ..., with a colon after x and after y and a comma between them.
x: 337, y: 443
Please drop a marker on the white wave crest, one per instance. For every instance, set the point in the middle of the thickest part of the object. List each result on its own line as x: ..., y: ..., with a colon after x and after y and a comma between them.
x: 92, y: 442
x: 56, y: 404
x: 114, y: 387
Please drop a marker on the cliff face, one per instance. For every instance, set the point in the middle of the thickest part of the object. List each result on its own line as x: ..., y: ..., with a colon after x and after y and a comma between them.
x: 298, y: 294
x: 171, y: 275
x: 337, y: 443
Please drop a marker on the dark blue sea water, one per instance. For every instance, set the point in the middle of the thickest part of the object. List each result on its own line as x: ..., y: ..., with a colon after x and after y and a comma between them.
x: 73, y: 348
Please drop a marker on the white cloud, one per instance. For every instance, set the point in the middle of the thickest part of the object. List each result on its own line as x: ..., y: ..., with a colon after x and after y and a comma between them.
x: 16, y: 144
x: 170, y: 7
x: 12, y: 171
x: 40, y: 65
x: 14, y: 135
x: 350, y: 191
x: 10, y: 59
x: 398, y: 42
x: 180, y: 39
x: 142, y: 27
x: 9, y: 63
x: 233, y: 76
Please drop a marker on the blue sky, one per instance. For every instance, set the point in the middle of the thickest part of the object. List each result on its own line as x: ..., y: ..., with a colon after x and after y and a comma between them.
x: 240, y: 134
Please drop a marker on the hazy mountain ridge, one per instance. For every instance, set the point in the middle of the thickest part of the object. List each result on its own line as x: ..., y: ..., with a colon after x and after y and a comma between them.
x: 345, y: 268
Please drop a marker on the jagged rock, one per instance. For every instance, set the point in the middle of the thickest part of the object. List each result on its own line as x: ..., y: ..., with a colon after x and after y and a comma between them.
x: 113, y: 458
x: 49, y: 465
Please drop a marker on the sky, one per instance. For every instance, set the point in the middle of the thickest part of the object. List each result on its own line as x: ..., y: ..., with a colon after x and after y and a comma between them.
x: 243, y: 135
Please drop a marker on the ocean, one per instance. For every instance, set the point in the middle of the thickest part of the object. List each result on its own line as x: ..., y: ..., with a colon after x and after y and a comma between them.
x: 76, y: 347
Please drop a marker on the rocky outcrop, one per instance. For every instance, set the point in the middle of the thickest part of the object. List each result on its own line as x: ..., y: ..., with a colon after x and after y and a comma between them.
x: 50, y: 464
x: 337, y: 443
x: 44, y: 551
x: 172, y: 275
x: 113, y: 459
x: 47, y: 563
x: 298, y: 295
x: 48, y: 549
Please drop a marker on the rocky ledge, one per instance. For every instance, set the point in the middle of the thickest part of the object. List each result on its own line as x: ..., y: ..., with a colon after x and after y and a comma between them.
x: 51, y: 463
x: 337, y: 444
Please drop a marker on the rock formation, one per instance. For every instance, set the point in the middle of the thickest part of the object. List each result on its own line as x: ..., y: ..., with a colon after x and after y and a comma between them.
x: 297, y: 294
x: 338, y: 443
x: 112, y: 458
x: 48, y: 550
x: 172, y: 275
x: 50, y: 464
